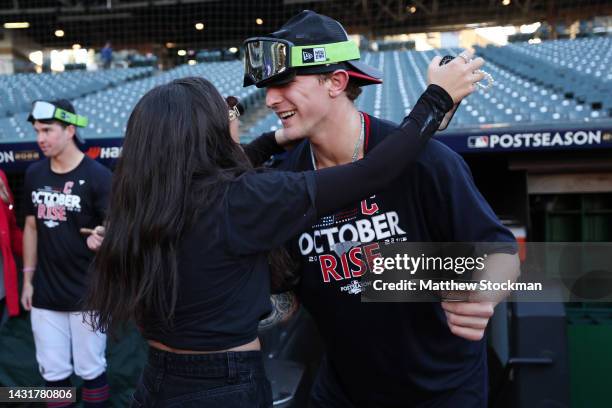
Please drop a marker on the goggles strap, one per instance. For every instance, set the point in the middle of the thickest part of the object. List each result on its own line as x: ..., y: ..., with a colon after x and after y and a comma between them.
x: 68, y: 117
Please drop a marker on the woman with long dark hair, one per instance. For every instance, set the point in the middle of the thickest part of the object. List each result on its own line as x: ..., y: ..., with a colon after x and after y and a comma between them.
x: 190, y: 226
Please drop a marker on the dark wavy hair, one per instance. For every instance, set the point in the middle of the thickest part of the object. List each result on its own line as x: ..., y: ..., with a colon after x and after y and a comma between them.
x: 177, y: 157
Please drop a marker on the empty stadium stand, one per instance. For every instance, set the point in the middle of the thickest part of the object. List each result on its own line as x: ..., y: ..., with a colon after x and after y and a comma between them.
x: 17, y: 92
x: 555, y: 82
x: 109, y: 110
x: 534, y: 83
x: 106, y: 97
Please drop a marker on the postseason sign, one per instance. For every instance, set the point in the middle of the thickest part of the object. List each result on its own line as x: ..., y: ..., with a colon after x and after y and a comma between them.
x: 18, y: 156
x: 504, y: 140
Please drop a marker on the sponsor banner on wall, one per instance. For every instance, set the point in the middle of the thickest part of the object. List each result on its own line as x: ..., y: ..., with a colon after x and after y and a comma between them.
x: 16, y: 157
x: 507, y: 140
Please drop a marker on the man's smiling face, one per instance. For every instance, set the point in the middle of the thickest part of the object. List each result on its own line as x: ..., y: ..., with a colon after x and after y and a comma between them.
x: 300, y: 104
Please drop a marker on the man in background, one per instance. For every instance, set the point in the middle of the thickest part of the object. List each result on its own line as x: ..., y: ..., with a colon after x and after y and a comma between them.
x: 64, y: 192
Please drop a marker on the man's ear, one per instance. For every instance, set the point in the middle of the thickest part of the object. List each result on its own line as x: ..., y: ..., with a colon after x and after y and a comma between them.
x: 71, y: 129
x: 338, y: 82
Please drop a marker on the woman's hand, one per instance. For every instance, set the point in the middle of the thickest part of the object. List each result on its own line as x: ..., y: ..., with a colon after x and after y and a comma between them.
x: 458, y: 76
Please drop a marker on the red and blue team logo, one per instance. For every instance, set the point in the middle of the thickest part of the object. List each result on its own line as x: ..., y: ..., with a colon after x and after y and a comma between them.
x: 478, y: 142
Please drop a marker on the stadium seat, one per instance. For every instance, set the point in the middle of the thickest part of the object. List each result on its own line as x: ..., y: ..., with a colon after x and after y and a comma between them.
x: 112, y: 94
x: 530, y: 87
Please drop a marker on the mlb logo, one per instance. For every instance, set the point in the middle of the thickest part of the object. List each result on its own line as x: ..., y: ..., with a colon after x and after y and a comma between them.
x: 319, y: 55
x: 478, y: 142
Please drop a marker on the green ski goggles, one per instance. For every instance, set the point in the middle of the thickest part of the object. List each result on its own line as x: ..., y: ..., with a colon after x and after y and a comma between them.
x: 42, y: 110
x: 269, y: 59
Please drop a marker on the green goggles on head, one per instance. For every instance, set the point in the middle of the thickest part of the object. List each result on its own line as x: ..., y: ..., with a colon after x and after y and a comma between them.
x: 42, y: 110
x: 267, y: 60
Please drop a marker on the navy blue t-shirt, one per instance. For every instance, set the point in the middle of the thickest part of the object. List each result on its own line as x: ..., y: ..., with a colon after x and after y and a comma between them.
x: 393, y: 354
x: 63, y: 204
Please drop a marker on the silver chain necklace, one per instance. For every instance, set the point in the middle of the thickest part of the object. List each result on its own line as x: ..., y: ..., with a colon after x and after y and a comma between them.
x: 357, y: 145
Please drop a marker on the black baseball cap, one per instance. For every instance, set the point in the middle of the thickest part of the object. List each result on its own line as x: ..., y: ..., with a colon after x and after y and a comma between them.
x: 67, y: 106
x: 308, y: 28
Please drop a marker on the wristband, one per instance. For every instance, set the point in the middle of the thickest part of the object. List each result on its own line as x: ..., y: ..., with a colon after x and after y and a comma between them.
x: 27, y: 269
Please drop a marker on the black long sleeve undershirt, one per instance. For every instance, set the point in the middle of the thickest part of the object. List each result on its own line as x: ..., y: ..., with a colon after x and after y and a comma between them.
x: 263, y: 209
x: 380, y: 167
x: 259, y: 150
x: 391, y: 157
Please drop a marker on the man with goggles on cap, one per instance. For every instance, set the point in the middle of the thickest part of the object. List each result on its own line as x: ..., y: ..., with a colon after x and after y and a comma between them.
x: 64, y: 192
x: 377, y: 354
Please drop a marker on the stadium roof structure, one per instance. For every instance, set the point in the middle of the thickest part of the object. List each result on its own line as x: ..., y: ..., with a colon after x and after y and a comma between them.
x: 161, y: 21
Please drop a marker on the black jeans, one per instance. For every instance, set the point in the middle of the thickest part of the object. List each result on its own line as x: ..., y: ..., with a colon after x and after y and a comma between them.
x: 328, y: 393
x: 224, y: 380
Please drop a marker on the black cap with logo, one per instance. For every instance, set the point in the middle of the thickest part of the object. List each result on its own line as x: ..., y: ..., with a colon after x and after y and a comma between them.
x: 308, y: 28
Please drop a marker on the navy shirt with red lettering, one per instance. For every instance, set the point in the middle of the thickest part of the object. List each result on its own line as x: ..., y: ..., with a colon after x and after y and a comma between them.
x: 393, y: 354
x: 63, y: 204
